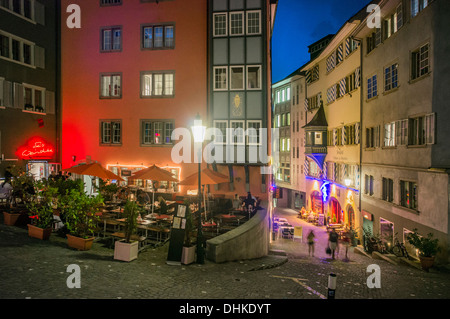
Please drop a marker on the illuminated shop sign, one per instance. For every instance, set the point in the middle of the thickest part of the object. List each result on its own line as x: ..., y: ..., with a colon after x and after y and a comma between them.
x: 36, y: 148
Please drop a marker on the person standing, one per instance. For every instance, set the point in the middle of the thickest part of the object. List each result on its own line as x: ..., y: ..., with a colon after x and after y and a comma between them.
x: 311, y: 237
x: 333, y: 241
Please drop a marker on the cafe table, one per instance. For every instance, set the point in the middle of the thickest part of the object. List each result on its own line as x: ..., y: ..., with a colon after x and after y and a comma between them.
x: 229, y: 217
x: 210, y: 226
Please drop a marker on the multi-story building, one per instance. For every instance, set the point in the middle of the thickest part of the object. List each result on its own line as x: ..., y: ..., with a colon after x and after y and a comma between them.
x: 133, y: 72
x: 289, y: 118
x: 332, y: 132
x: 239, y: 94
x: 405, y: 150
x: 29, y: 66
x: 136, y: 70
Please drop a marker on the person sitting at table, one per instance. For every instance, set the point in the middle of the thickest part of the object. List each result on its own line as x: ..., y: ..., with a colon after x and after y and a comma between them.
x: 249, y: 203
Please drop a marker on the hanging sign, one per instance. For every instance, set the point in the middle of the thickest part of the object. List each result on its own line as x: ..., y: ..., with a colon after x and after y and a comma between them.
x: 36, y: 148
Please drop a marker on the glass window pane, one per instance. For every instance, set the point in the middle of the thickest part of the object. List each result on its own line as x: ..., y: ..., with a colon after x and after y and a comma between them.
x: 158, y: 78
x: 169, y: 37
x: 158, y: 37
x: 148, y: 37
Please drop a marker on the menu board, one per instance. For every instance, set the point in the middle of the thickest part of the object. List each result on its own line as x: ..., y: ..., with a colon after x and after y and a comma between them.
x: 177, y: 236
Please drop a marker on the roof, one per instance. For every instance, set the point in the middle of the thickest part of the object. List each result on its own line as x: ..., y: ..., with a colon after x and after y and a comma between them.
x: 319, y: 118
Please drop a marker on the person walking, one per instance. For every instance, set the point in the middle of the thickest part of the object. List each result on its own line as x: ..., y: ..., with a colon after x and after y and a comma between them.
x: 333, y: 242
x: 311, y: 237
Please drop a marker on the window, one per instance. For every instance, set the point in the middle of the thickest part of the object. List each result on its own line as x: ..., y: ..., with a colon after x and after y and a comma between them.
x: 340, y: 54
x: 110, y: 2
x: 417, y: 6
x: 34, y: 98
x: 408, y: 194
x: 372, y: 87
x: 220, y: 78
x: 220, y: 24
x: 253, y: 22
x: 401, y: 132
x: 351, y: 45
x: 254, y: 77
x: 389, y: 134
x: 374, y: 40
x: 368, y: 184
x: 313, y: 102
x: 372, y: 137
x: 112, y: 39
x: 237, y: 132
x: 221, y: 137
x: 253, y: 132
x: 156, y: 132
x: 157, y: 84
x: 420, y: 63
x: 158, y: 37
x: 388, y: 190
x: 24, y: 8
x: 110, y: 86
x: 111, y: 132
x: 236, y: 23
x: 351, y: 134
x: 391, y: 77
x: 4, y: 46
x: 421, y: 130
x: 236, y: 77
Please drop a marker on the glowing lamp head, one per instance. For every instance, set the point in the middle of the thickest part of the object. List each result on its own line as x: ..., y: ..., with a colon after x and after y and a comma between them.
x: 198, y: 130
x: 347, y: 181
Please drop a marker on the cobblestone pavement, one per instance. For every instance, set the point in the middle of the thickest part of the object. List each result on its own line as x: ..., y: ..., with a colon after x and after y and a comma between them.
x: 34, y: 269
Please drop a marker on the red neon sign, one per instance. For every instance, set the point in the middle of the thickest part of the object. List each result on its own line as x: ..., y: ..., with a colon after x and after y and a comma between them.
x: 36, y: 148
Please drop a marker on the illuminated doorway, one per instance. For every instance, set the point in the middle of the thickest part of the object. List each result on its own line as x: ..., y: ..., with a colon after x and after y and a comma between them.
x: 336, y: 212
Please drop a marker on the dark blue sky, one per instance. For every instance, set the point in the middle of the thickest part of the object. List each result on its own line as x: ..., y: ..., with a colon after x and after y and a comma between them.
x: 300, y: 23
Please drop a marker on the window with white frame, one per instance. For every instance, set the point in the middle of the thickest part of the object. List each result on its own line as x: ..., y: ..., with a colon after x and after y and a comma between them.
x: 156, y: 132
x: 111, y: 132
x: 389, y: 134
x: 393, y: 22
x: 391, y: 77
x: 401, y: 132
x: 236, y: 78
x: 253, y: 22
x: 220, y: 78
x: 158, y: 36
x: 372, y: 87
x: 111, y: 39
x: 253, y: 132
x: 421, y: 130
x: 34, y: 98
x: 157, y: 84
x: 25, y: 8
x: 220, y: 136
x: 420, y: 63
x: 236, y: 23
x: 16, y: 49
x: 111, y: 85
x: 237, y: 132
x: 220, y: 24
x: 253, y: 77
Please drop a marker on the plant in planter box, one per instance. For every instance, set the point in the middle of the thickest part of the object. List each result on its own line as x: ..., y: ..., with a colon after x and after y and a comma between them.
x: 79, y: 211
x: 127, y: 249
x: 41, y: 211
x: 428, y: 248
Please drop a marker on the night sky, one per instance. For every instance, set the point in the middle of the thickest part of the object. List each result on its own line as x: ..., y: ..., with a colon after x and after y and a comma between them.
x: 300, y: 23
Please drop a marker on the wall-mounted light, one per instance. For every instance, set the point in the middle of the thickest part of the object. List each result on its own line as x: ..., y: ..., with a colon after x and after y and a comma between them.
x: 347, y: 181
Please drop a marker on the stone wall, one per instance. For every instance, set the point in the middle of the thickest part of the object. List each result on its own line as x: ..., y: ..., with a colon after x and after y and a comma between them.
x: 248, y: 241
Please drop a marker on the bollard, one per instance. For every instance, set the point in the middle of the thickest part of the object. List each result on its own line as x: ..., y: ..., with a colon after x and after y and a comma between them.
x: 331, y: 286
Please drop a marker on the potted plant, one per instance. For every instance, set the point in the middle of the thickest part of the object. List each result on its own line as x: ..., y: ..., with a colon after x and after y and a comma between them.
x: 428, y: 248
x: 188, y: 253
x: 127, y: 249
x: 41, y: 211
x: 79, y: 211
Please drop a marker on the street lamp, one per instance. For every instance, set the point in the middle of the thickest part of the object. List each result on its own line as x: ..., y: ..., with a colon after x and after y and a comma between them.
x: 198, y: 130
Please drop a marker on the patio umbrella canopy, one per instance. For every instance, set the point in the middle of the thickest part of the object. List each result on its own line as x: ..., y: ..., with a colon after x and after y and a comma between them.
x: 154, y: 173
x: 93, y: 169
x: 208, y: 177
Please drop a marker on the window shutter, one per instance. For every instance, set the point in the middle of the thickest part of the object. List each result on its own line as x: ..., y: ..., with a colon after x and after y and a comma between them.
x: 18, y: 96
x: 39, y: 12
x: 429, y: 129
x: 50, y: 102
x: 357, y: 133
x: 398, y: 132
x: 344, y: 135
x: 39, y: 57
x: 7, y: 94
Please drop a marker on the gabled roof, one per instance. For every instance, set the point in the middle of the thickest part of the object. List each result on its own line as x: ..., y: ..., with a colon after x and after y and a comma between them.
x: 319, y: 118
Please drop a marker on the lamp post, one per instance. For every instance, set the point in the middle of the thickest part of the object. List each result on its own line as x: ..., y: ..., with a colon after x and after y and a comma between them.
x: 198, y: 131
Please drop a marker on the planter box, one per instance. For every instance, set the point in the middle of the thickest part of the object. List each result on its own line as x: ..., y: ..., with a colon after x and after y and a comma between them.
x: 10, y: 219
x: 39, y: 233
x: 126, y: 251
x: 79, y: 243
x: 426, y: 262
x: 188, y: 255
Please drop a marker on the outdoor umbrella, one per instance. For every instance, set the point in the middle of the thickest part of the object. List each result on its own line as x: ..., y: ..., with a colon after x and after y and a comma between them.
x: 208, y: 177
x: 93, y: 169
x: 154, y: 173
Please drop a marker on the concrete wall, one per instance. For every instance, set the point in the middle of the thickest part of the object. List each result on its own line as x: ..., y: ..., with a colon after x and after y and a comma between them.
x: 248, y: 241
